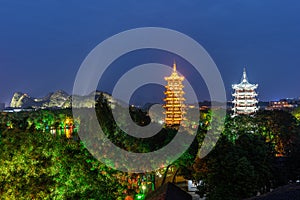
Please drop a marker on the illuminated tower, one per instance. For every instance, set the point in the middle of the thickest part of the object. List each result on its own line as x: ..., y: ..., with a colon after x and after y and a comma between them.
x: 174, y: 101
x: 244, y: 97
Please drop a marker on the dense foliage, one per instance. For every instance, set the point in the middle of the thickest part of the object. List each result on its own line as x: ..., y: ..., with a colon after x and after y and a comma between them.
x: 36, y: 165
x: 254, y: 154
x: 40, y: 159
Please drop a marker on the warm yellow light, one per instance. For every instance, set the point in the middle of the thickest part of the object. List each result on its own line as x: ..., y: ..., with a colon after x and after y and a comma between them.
x: 174, y: 98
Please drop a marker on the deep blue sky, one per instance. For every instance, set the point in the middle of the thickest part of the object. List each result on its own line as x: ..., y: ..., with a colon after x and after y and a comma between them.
x: 42, y: 43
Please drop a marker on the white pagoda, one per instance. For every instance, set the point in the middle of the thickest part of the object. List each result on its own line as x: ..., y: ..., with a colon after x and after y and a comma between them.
x: 245, y: 102
x: 174, y: 101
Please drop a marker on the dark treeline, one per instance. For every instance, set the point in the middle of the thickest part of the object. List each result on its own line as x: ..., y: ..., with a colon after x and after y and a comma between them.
x: 254, y: 154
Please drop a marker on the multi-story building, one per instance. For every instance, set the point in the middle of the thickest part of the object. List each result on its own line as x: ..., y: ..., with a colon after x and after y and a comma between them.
x: 174, y: 101
x: 283, y: 104
x: 245, y: 102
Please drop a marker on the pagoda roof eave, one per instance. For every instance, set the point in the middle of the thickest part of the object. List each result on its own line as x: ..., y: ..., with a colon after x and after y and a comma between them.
x: 243, y: 86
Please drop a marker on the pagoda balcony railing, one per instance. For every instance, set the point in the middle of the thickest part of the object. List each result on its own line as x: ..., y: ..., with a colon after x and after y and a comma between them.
x: 238, y: 90
x: 245, y: 109
x: 177, y: 111
x: 244, y: 94
x: 171, y: 85
x: 172, y: 96
x: 244, y: 87
x: 245, y: 106
x: 174, y: 99
x: 174, y: 78
x: 244, y: 101
x: 170, y: 102
x: 174, y: 109
x: 174, y: 119
x: 172, y: 112
x: 174, y: 105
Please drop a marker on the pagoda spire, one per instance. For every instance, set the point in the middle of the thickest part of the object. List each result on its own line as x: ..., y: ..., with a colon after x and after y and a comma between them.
x: 245, y: 79
x: 174, y: 66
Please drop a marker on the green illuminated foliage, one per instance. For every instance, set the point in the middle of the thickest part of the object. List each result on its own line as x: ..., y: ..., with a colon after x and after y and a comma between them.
x: 37, y: 165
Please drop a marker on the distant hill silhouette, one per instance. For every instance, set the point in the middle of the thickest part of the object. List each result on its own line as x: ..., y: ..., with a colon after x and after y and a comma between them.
x: 58, y: 99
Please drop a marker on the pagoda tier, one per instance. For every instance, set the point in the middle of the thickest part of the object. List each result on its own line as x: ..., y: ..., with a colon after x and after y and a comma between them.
x: 245, y: 101
x: 247, y: 94
x: 174, y: 101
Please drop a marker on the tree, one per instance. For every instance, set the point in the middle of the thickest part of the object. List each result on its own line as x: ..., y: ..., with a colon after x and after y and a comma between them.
x: 37, y: 165
x: 234, y: 170
x: 280, y: 128
x: 240, y: 164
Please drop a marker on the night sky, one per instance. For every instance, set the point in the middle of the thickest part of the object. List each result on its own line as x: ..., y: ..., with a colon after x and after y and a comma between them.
x: 43, y: 43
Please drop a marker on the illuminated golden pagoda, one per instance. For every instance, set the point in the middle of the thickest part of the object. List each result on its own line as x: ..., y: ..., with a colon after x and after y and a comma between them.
x: 174, y: 101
